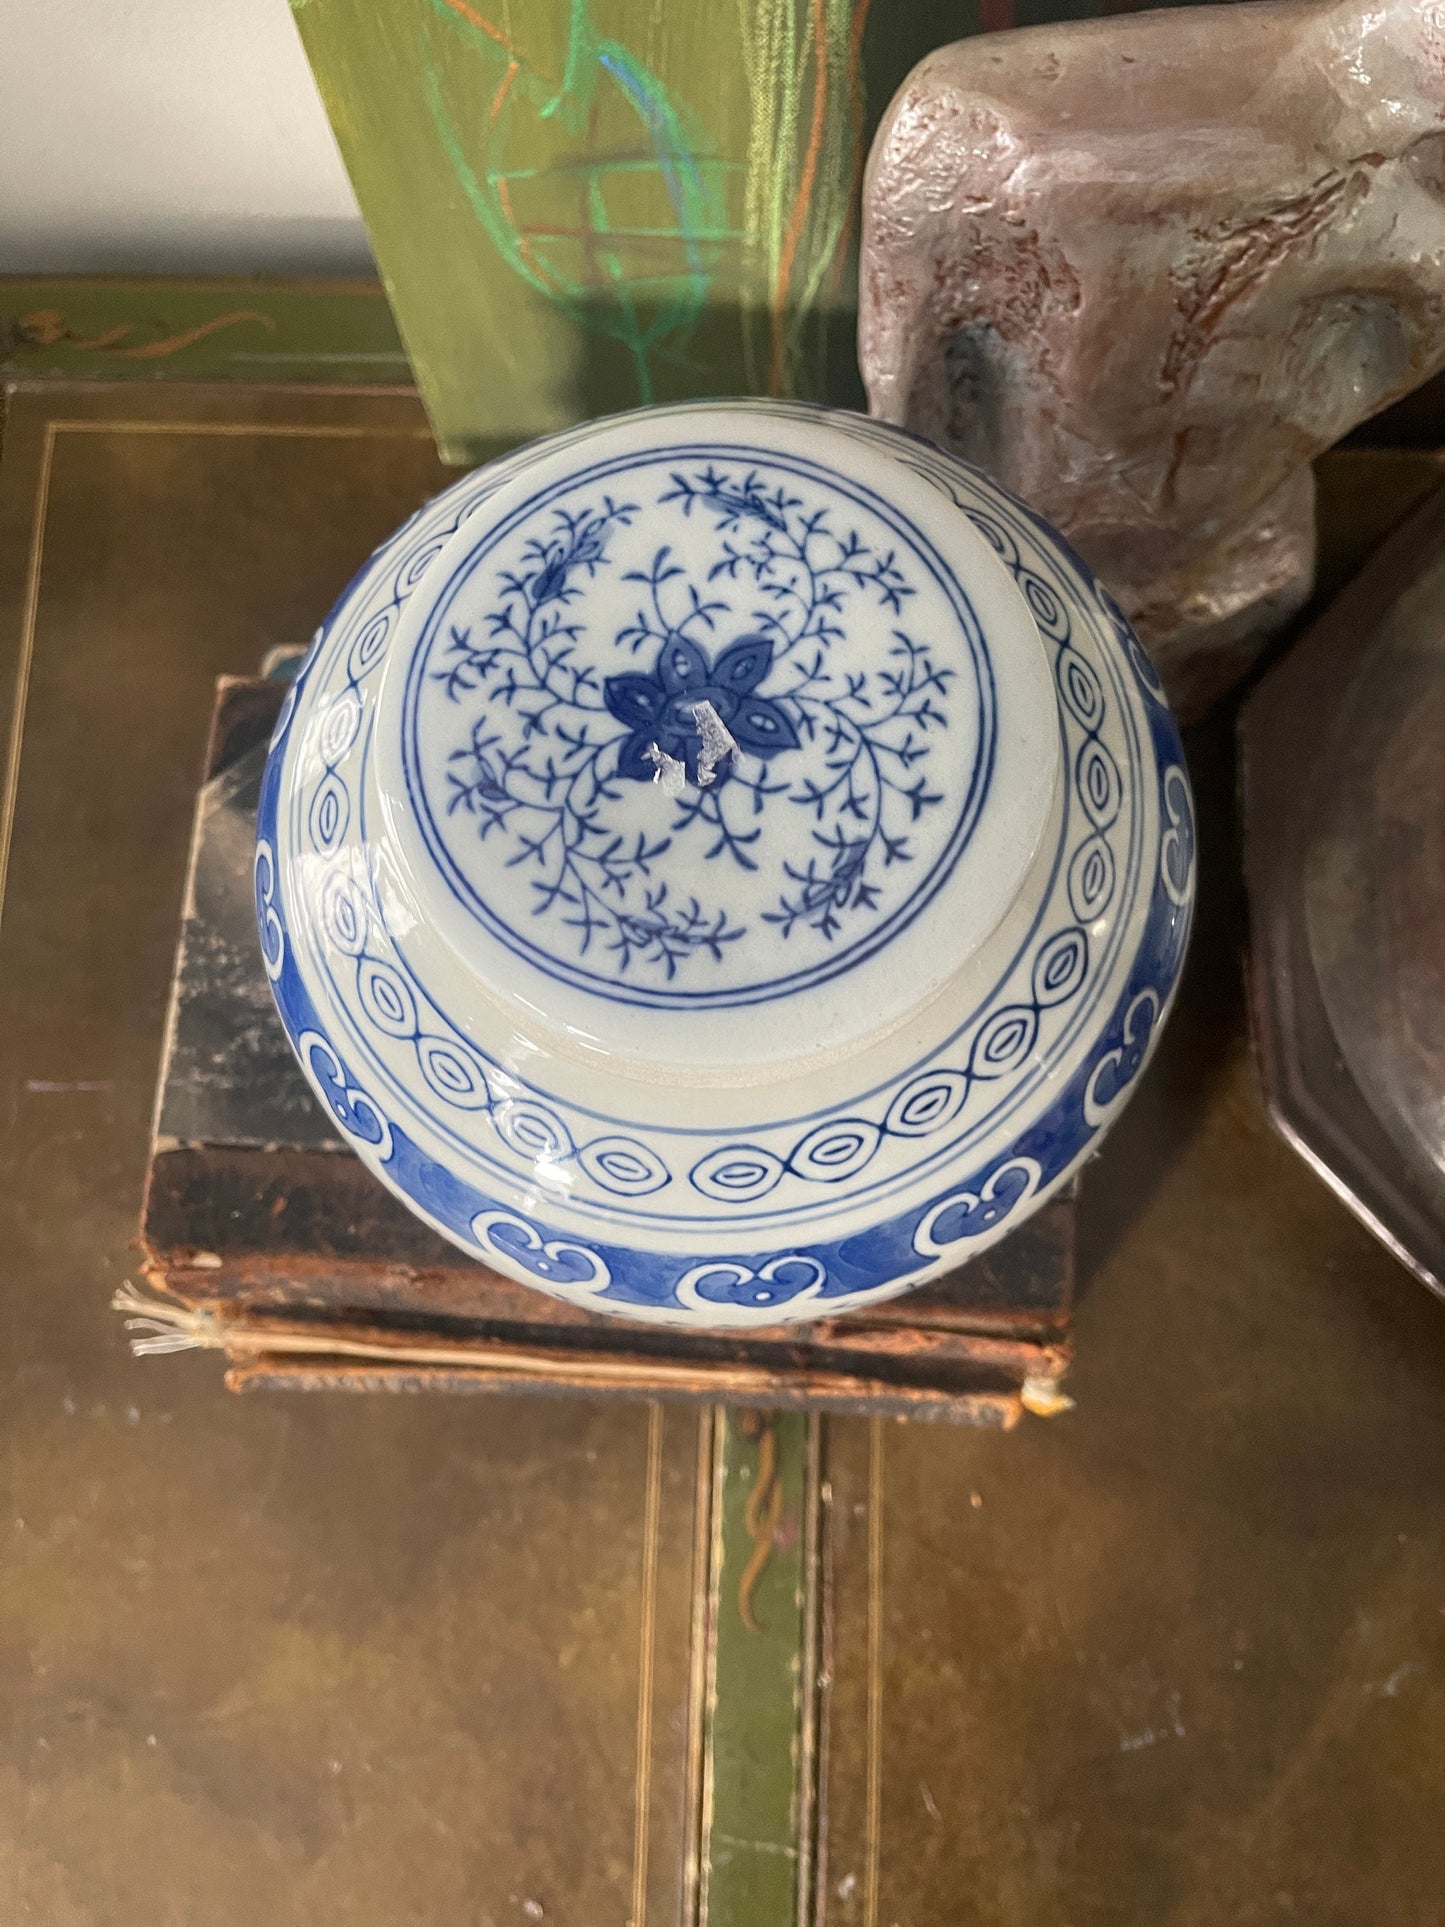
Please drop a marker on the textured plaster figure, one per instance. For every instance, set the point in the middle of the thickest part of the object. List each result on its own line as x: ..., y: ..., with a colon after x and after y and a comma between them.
x: 1144, y: 269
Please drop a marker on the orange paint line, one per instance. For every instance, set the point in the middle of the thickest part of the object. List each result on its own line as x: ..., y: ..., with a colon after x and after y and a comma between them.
x: 481, y: 22
x: 788, y: 253
x: 499, y: 99
x: 155, y: 350
x: 524, y: 246
x: 107, y: 340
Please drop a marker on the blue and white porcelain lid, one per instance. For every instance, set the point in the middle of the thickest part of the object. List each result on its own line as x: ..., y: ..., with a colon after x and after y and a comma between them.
x: 715, y: 751
x: 724, y: 864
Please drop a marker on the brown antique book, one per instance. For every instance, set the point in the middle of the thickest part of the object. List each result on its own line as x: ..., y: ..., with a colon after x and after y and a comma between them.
x: 266, y: 1238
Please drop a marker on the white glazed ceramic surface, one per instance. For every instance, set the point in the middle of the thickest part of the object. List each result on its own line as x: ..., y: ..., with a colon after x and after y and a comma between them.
x: 726, y: 864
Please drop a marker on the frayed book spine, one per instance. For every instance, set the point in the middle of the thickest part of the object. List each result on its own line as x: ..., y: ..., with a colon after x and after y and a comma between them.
x: 159, y: 1325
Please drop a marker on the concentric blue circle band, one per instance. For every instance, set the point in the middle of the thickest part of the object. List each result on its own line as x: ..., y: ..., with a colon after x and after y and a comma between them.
x: 879, y: 935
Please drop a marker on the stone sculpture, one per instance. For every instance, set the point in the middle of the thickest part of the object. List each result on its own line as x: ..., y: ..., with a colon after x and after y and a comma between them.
x: 1142, y: 270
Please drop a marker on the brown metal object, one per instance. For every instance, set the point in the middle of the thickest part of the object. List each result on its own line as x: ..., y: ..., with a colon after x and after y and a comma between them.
x: 1144, y: 269
x: 1343, y: 749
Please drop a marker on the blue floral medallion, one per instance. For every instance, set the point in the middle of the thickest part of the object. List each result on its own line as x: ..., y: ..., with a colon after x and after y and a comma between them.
x: 664, y: 711
x: 780, y: 654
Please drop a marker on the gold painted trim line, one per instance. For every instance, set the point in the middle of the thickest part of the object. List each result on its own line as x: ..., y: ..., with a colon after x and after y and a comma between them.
x: 810, y: 1794
x: 712, y: 1607
x: 873, y: 1813
x: 702, y: 1662
x: 30, y: 609
x: 647, y: 1643
x: 288, y: 431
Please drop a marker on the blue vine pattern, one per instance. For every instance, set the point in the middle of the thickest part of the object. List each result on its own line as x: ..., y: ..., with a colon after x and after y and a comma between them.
x: 552, y: 739
x: 454, y: 1073
x: 838, y: 1150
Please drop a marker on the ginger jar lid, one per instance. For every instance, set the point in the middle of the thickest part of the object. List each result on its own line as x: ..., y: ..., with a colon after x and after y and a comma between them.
x: 705, y: 844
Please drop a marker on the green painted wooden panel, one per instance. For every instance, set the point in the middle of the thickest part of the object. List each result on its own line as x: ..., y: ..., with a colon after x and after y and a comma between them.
x: 759, y: 1747
x: 579, y: 205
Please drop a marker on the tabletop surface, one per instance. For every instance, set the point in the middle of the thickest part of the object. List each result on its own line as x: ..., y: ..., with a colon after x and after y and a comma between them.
x: 1175, y: 1656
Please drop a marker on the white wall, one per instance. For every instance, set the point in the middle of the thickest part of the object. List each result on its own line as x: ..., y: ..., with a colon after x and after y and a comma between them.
x: 166, y: 135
